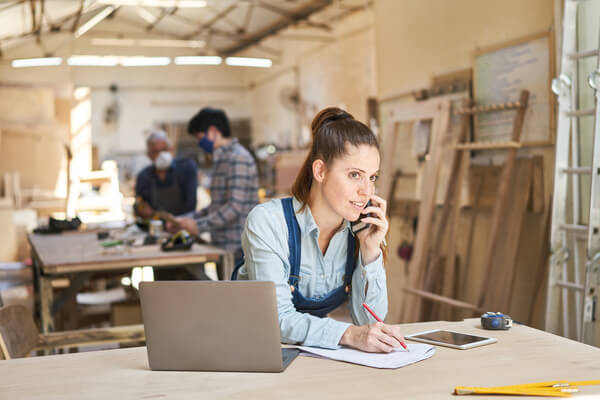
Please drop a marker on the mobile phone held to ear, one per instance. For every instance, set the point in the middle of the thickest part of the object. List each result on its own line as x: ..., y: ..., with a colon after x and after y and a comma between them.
x: 359, y: 225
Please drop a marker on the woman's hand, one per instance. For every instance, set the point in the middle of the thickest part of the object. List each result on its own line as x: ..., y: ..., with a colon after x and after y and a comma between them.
x: 373, y: 338
x: 371, y: 238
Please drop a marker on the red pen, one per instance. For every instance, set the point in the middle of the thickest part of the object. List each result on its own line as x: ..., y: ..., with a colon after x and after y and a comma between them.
x: 379, y: 320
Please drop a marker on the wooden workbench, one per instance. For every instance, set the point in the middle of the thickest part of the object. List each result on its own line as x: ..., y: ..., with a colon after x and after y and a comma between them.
x: 522, y: 355
x: 79, y: 255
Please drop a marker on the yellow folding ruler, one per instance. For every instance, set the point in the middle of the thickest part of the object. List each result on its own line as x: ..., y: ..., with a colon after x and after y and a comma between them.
x: 550, y: 389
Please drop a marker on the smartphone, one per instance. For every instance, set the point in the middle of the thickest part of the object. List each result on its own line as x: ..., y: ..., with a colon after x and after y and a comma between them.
x: 359, y: 225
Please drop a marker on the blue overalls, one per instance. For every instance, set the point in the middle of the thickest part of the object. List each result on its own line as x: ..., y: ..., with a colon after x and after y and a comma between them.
x: 324, y: 304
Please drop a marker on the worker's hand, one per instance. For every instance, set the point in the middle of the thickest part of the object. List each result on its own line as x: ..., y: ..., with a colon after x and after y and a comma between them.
x: 373, y: 338
x: 189, y: 224
x: 143, y: 209
x: 370, y: 239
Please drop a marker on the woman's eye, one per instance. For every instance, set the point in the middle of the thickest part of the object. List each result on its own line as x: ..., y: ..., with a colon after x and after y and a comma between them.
x: 354, y: 175
x: 374, y: 178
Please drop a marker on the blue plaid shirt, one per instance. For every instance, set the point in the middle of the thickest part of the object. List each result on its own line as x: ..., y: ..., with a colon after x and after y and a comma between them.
x: 233, y: 192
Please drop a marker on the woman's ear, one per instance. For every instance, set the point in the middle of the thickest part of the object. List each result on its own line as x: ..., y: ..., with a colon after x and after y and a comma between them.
x: 319, y: 169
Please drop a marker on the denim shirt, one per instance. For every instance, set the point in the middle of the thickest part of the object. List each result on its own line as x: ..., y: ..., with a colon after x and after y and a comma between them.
x: 266, y: 251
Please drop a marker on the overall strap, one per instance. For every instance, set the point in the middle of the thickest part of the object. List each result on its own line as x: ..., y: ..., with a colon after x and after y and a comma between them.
x: 350, y: 260
x: 294, y: 240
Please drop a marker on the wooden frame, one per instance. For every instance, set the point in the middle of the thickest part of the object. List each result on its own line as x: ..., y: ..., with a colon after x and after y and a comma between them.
x: 437, y: 110
x: 481, y: 95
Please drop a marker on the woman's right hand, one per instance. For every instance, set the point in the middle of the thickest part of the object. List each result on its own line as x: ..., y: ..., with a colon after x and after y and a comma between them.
x: 373, y: 338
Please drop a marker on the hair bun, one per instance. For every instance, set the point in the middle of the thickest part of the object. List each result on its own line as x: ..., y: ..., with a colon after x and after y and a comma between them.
x: 327, y: 115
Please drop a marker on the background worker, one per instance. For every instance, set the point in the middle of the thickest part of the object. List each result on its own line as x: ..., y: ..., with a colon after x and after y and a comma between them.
x: 168, y: 184
x: 234, y: 182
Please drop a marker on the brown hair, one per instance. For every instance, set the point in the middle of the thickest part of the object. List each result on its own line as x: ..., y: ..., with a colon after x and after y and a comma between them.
x: 331, y: 129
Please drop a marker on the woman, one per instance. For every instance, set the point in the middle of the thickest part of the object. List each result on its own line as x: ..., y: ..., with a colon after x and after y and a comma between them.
x: 305, y: 243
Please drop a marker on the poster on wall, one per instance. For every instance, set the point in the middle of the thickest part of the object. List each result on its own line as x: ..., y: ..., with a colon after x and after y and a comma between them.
x: 500, y: 73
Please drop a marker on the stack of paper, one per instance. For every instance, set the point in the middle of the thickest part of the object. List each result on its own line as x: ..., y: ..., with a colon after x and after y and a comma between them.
x: 396, y: 359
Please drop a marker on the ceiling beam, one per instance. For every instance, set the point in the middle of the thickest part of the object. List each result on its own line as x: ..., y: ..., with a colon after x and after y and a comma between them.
x: 77, y: 16
x: 16, y: 3
x: 212, y: 21
x: 289, y: 15
x: 291, y: 18
x: 164, y: 13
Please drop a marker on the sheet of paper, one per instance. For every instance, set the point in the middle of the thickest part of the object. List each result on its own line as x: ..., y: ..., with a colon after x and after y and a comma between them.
x: 396, y: 359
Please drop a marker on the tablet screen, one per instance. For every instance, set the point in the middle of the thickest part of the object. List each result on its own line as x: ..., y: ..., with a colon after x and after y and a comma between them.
x: 455, y: 338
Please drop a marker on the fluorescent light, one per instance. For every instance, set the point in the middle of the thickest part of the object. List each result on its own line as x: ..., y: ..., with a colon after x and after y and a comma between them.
x: 36, y: 62
x: 113, y: 42
x: 198, y: 60
x: 96, y: 61
x: 144, y: 61
x: 249, y: 62
x: 158, y: 3
x: 95, y: 20
x: 171, y: 43
x: 148, y: 42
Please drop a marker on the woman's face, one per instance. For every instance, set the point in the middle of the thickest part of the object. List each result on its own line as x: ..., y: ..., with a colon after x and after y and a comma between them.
x: 349, y: 180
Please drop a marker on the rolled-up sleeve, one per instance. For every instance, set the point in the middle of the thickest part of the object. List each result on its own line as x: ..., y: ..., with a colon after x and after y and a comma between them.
x: 266, y: 259
x: 369, y: 286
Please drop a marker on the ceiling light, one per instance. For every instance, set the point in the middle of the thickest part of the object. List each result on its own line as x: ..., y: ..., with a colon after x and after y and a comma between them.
x: 171, y: 43
x: 249, y: 62
x: 113, y: 42
x: 36, y: 62
x: 158, y: 3
x: 145, y: 61
x: 148, y: 42
x: 93, y: 61
x: 198, y: 60
x: 95, y: 20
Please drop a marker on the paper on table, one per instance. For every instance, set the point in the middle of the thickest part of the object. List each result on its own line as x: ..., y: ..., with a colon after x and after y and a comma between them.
x: 395, y: 359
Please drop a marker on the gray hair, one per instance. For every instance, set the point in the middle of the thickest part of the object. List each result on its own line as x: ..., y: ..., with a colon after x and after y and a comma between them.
x: 157, y: 134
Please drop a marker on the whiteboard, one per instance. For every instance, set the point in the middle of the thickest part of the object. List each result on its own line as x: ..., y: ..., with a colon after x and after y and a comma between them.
x: 499, y: 76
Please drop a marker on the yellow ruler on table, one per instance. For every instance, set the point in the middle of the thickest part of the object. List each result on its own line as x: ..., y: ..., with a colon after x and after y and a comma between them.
x: 549, y: 389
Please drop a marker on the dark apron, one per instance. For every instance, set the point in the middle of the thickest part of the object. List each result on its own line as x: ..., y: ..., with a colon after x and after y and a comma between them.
x: 323, y: 305
x: 167, y: 198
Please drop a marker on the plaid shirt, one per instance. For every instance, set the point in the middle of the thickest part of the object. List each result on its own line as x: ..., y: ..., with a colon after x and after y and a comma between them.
x: 233, y: 192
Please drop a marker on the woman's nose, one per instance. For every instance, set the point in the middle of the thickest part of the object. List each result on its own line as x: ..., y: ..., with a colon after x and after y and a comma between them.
x: 366, y: 188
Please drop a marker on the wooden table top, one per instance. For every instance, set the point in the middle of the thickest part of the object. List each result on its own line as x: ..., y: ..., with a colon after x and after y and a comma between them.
x: 81, y: 251
x: 522, y: 355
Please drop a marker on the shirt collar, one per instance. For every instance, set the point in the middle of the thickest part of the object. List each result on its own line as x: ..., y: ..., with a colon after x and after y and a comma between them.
x: 227, y: 147
x: 307, y: 222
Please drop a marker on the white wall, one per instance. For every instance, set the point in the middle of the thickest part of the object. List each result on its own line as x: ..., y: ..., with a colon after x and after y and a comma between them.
x: 146, y: 95
x: 336, y: 72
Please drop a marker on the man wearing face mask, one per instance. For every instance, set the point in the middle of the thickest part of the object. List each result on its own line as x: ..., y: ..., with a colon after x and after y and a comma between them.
x: 234, y: 182
x: 168, y: 184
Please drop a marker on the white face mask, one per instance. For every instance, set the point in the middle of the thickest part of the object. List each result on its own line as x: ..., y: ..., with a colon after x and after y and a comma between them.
x: 163, y: 161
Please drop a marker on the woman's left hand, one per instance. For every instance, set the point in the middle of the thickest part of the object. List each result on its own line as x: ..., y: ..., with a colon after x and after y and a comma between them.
x: 371, y: 238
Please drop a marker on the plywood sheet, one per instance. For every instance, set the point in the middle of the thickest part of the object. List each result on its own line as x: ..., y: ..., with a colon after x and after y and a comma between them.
x: 26, y: 104
x: 501, y: 72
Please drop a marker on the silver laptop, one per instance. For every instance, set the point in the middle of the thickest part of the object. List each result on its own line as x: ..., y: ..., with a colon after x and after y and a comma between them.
x: 213, y: 326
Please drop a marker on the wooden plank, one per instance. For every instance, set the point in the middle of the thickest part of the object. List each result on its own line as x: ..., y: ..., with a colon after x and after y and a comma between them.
x: 18, y: 331
x: 537, y: 188
x: 418, y: 262
x: 27, y: 104
x: 89, y: 337
x: 503, y: 266
x: 499, y: 213
x: 442, y: 299
x: 450, y: 203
